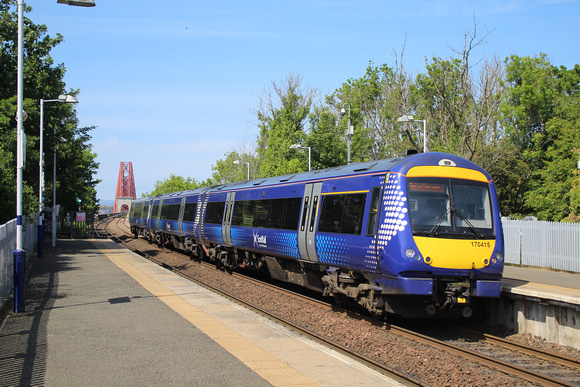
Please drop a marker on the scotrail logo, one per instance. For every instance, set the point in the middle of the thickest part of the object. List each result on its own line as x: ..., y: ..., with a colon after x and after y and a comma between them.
x: 259, y: 241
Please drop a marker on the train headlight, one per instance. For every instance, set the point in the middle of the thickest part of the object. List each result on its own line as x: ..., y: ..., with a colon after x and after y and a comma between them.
x: 410, y: 253
x: 499, y: 257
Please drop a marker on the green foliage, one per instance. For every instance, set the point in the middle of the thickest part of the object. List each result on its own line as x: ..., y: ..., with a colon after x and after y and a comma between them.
x: 173, y: 183
x: 226, y: 171
x: 282, y: 123
x: 542, y: 114
x: 76, y: 163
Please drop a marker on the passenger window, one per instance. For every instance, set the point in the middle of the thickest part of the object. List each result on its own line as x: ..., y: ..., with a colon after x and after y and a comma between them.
x: 261, y: 213
x: 342, y: 213
x: 189, y: 212
x: 276, y: 213
x: 215, y: 212
x: 291, y: 213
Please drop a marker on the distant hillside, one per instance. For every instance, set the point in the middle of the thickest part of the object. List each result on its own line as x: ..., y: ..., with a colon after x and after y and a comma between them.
x: 106, y: 202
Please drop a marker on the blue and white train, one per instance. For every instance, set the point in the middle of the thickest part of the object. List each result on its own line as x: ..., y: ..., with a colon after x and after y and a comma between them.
x: 414, y: 235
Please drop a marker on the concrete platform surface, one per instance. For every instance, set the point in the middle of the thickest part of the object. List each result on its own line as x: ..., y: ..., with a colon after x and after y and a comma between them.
x: 98, y: 314
x: 542, y: 284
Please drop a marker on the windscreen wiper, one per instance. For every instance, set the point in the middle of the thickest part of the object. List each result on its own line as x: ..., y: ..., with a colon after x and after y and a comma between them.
x: 472, y: 228
x: 440, y: 220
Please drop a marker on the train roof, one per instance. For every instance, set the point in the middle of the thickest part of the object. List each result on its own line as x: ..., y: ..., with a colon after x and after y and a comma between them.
x: 403, y: 164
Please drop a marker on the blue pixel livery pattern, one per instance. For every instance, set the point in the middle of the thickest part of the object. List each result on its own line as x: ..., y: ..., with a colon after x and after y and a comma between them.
x: 418, y: 235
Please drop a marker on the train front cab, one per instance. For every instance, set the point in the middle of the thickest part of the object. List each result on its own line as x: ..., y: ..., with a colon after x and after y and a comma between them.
x: 442, y: 237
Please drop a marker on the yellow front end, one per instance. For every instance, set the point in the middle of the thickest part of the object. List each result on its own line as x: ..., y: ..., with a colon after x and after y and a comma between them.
x: 455, y: 253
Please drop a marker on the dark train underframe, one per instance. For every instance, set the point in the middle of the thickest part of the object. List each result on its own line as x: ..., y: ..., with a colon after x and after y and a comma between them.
x: 449, y: 294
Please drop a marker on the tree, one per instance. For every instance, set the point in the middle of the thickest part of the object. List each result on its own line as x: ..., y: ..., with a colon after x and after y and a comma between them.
x: 325, y: 139
x: 282, y: 120
x: 462, y: 110
x: 377, y: 99
x: 171, y: 184
x: 42, y: 79
x: 542, y: 114
x: 225, y: 171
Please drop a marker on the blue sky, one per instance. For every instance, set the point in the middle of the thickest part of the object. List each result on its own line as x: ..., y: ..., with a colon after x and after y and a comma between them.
x: 170, y: 86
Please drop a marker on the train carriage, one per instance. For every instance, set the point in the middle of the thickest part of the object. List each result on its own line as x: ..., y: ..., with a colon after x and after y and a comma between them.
x: 410, y: 235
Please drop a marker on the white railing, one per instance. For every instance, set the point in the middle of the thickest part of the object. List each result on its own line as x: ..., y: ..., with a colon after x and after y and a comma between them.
x: 542, y: 244
x: 7, y: 247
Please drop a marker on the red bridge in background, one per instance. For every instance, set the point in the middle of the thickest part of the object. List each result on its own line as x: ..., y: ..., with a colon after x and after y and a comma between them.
x: 125, y: 188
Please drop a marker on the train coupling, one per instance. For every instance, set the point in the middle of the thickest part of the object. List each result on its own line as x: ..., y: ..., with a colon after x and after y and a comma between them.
x: 458, y: 293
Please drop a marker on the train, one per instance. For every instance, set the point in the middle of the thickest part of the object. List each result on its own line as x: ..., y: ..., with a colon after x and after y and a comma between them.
x: 418, y: 235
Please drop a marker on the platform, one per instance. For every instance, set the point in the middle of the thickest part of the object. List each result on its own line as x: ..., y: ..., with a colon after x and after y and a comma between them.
x: 540, y: 302
x: 98, y: 314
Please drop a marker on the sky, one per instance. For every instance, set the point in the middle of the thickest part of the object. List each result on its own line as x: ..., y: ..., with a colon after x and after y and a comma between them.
x: 171, y: 86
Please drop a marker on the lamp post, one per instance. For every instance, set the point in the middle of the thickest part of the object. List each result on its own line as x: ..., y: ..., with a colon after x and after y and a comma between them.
x: 409, y: 118
x: 349, y: 129
x: 41, y: 230
x: 238, y: 162
x: 19, y: 253
x: 298, y: 146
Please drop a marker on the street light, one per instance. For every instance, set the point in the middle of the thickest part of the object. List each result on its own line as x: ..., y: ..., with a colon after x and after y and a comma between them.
x: 238, y: 162
x: 62, y: 99
x: 298, y: 146
x: 349, y: 129
x: 409, y: 118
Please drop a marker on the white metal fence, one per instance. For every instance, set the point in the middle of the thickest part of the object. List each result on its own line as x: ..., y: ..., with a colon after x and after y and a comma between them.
x: 7, y: 247
x: 542, y: 244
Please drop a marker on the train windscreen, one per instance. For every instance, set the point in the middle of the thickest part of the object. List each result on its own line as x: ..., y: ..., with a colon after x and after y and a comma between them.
x: 450, y: 208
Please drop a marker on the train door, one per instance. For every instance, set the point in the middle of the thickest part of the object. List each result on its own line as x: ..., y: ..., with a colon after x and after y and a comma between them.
x: 227, y: 222
x: 180, y: 217
x: 307, y: 227
x: 370, y: 229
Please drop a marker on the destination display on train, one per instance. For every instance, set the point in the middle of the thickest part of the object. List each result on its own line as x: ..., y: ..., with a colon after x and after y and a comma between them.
x: 418, y: 186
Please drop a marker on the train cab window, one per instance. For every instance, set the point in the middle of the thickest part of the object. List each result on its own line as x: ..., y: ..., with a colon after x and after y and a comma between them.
x: 455, y: 208
x: 215, y: 212
x: 342, y: 213
x: 374, y: 211
x: 189, y: 212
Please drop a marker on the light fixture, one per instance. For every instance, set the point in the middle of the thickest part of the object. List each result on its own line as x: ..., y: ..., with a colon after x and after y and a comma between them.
x: 410, y: 118
x: 78, y: 3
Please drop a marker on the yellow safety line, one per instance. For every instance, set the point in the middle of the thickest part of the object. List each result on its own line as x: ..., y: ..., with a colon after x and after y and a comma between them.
x: 264, y: 364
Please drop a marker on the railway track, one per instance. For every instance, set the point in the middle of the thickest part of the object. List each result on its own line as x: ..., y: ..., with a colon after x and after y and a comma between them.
x: 524, y: 362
